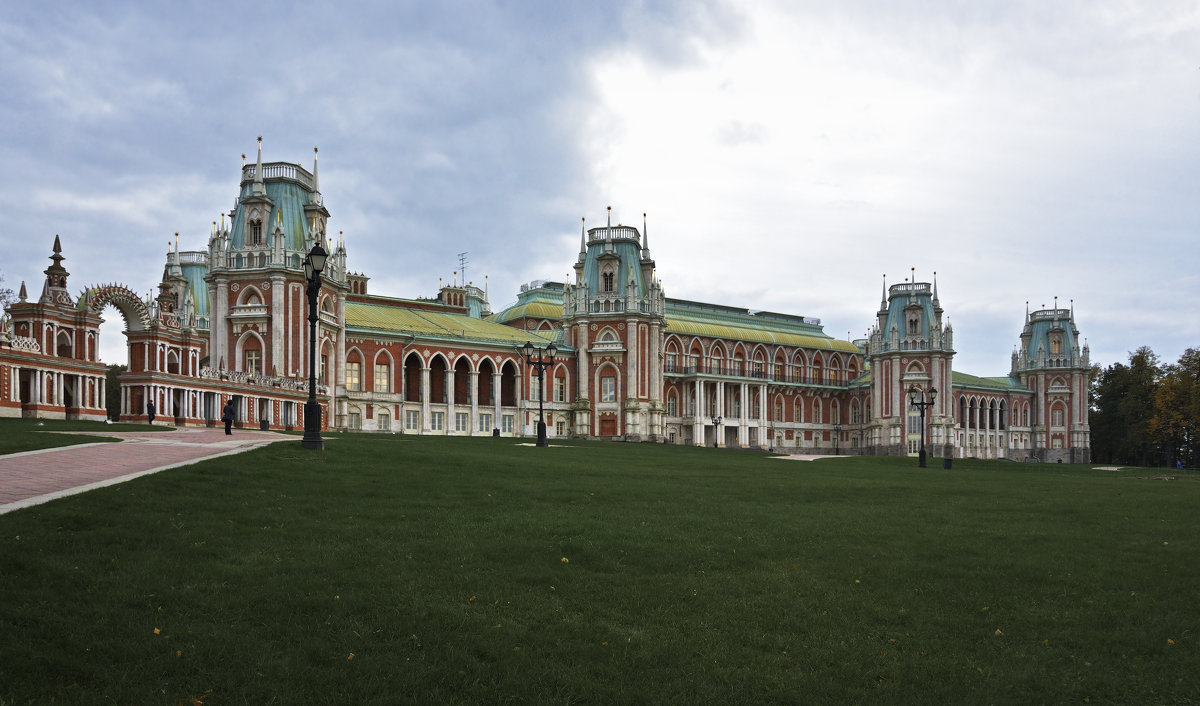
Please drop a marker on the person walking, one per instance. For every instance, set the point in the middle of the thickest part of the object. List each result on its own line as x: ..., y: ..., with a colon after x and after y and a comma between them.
x: 150, y: 412
x: 227, y: 417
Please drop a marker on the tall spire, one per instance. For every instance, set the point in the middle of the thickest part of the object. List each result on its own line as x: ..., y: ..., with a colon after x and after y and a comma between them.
x: 645, y: 238
x: 883, y: 296
x: 935, y: 296
x: 259, y: 189
x: 582, y: 232
x: 316, y: 182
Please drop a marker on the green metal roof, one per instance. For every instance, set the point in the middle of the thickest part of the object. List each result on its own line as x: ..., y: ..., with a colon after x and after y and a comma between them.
x: 398, y: 320
x: 1005, y: 383
x: 732, y: 323
x: 542, y: 302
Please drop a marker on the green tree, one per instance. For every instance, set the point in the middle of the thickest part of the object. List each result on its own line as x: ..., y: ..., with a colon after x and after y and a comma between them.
x: 1124, y: 405
x: 112, y: 391
x: 1177, y: 410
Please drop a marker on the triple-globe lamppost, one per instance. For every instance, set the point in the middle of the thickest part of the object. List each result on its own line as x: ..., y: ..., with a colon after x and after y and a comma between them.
x: 314, y: 263
x: 545, y: 359
x: 918, y: 399
x: 716, y: 431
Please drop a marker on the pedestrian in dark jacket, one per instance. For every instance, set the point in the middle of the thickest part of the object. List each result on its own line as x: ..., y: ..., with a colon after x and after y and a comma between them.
x: 150, y: 411
x: 227, y: 417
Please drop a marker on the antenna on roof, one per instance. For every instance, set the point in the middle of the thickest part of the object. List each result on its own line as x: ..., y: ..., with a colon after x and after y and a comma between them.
x: 462, y: 264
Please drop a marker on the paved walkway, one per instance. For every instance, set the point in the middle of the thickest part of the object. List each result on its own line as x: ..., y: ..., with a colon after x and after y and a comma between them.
x: 35, y: 477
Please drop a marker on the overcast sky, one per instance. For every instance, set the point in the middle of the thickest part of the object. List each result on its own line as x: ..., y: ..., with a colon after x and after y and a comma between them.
x: 789, y: 154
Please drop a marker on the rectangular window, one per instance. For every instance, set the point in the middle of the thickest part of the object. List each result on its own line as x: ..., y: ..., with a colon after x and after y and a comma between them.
x: 355, y: 421
x: 608, y: 389
x: 560, y: 428
x: 485, y: 422
x: 462, y: 421
x: 506, y: 424
x: 383, y: 377
x: 353, y: 375
x: 1056, y: 418
x: 560, y: 389
x: 253, y: 362
x: 324, y: 369
x: 437, y: 420
x: 412, y: 420
x: 385, y: 422
x: 671, y: 406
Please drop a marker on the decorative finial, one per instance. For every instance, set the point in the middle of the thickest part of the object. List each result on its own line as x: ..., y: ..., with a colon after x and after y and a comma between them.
x: 243, y: 159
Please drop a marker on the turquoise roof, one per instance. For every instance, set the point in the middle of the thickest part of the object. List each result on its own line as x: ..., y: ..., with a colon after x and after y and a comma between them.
x: 623, y: 242
x: 195, y: 266
x: 1042, y: 324
x: 903, y: 296
x: 286, y: 187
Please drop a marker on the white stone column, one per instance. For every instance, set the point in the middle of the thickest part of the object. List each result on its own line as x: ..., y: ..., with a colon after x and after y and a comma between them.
x: 583, y: 371
x: 277, y: 365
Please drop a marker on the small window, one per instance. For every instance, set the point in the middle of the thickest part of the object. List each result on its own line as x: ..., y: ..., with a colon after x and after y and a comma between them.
x: 253, y: 362
x: 412, y: 420
x: 383, y: 377
x: 560, y: 389
x: 608, y: 282
x: 462, y: 421
x: 385, y: 422
x: 256, y: 233
x: 608, y: 389
x: 560, y: 428
x: 355, y: 421
x: 353, y: 375
x: 506, y: 424
x: 437, y: 421
x: 485, y: 422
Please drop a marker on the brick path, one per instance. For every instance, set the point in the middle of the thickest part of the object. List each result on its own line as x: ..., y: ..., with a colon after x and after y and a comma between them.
x: 35, y: 477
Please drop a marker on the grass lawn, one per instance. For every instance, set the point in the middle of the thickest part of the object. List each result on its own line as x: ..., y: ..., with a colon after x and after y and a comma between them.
x: 20, y: 434
x: 393, y: 569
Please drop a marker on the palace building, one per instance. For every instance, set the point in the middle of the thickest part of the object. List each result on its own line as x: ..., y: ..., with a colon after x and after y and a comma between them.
x: 230, y: 322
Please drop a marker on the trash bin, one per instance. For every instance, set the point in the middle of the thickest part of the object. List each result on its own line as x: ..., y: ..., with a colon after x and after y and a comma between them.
x: 947, y: 463
x: 263, y: 424
x: 495, y: 432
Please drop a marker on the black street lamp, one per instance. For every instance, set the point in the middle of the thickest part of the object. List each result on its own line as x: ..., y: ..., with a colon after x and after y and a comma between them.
x: 541, y: 363
x: 918, y: 400
x: 837, y: 438
x: 314, y: 262
x: 716, y: 431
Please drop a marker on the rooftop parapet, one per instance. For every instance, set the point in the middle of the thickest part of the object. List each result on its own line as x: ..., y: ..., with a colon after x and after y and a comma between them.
x: 280, y: 171
x: 612, y: 234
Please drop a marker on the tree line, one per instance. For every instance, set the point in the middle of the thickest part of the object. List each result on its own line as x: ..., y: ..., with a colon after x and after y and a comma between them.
x: 1145, y: 412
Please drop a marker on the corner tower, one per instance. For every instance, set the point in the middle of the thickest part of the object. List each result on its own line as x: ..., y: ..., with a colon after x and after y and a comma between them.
x: 613, y: 315
x: 909, y: 346
x: 255, y: 280
x: 1051, y: 363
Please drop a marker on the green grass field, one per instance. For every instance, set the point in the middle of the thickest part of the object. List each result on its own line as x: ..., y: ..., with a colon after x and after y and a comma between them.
x: 398, y: 569
x: 17, y: 435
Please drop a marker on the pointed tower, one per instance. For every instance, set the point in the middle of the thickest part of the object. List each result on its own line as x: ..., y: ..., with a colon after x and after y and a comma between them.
x: 1051, y: 362
x: 910, y: 348
x: 614, y: 316
x: 255, y: 280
